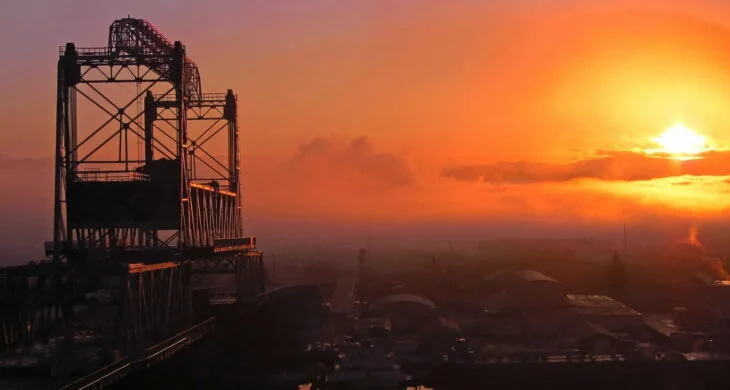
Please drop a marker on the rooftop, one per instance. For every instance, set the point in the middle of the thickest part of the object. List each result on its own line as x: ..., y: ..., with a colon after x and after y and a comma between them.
x: 525, y: 276
x: 705, y: 356
x: 664, y: 325
x: 599, y: 305
x: 711, y: 281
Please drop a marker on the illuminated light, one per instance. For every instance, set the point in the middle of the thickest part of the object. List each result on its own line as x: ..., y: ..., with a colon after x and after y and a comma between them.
x: 680, y: 141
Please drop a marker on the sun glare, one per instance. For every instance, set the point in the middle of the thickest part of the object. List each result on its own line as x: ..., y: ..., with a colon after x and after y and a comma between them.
x: 680, y: 140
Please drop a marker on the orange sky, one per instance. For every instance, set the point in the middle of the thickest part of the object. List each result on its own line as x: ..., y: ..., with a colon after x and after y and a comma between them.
x: 433, y: 87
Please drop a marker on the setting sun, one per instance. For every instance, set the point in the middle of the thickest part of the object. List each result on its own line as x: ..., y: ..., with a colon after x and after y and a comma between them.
x: 681, y: 140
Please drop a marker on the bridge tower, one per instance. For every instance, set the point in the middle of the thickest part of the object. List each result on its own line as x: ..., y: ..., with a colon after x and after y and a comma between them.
x: 147, y: 183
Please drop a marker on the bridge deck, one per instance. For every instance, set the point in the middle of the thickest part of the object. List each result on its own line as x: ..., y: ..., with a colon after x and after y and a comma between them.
x: 43, y: 371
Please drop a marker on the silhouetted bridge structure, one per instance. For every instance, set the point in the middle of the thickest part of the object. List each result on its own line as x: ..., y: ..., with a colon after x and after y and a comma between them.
x: 144, y: 204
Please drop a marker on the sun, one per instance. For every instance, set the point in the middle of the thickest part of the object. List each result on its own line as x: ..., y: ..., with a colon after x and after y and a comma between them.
x: 680, y: 140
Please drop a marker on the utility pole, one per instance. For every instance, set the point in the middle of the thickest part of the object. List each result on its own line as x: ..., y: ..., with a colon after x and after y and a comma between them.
x: 360, y: 273
x: 626, y: 247
x: 273, y: 272
x: 368, y: 244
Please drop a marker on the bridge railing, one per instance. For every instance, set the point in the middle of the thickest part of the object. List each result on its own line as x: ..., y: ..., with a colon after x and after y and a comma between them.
x: 88, y: 51
x: 233, y: 244
x: 110, y: 176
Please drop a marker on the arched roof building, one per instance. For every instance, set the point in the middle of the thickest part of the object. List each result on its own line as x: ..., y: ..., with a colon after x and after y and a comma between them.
x: 405, y: 311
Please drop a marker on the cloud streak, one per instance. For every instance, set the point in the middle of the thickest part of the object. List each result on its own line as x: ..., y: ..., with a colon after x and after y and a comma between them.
x: 610, y: 166
x: 328, y: 180
x: 329, y: 186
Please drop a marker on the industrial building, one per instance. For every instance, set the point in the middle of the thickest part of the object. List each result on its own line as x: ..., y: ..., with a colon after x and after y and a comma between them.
x: 406, y: 312
x: 703, y: 305
x: 607, y: 313
x: 534, y: 299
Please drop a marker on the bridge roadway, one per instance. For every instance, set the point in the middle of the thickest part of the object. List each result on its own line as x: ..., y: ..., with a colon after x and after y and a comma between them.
x: 119, y: 329
x: 40, y: 376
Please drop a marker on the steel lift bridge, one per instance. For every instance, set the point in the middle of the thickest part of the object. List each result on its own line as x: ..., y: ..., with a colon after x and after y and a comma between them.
x: 147, y: 199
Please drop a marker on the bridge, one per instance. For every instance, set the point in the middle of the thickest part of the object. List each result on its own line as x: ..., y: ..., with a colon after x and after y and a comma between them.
x: 145, y: 205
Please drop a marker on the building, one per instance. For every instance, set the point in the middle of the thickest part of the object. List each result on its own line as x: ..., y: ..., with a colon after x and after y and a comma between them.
x: 530, y: 289
x: 586, y: 336
x: 406, y: 312
x: 536, y: 300
x: 500, y: 319
x: 704, y: 305
x: 704, y: 293
x: 607, y: 313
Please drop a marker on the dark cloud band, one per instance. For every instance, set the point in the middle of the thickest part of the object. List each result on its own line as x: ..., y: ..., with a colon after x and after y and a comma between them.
x: 618, y: 166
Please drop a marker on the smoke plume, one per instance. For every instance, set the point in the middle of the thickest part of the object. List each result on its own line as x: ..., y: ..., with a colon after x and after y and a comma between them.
x: 692, y: 237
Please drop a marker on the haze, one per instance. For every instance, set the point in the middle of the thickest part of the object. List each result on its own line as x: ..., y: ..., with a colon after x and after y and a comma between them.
x: 425, y: 123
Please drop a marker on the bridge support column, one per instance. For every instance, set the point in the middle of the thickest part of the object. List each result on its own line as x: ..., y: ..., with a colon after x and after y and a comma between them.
x: 250, y: 276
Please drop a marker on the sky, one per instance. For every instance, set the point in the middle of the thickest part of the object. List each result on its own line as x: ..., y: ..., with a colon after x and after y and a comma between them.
x: 421, y: 122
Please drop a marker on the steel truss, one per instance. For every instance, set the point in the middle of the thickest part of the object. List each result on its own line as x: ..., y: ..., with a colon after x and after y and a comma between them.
x: 139, y: 37
x: 30, y: 308
x: 247, y: 267
x: 250, y: 276
x: 155, y: 305
x: 152, y: 304
x: 130, y: 228
x: 178, y: 195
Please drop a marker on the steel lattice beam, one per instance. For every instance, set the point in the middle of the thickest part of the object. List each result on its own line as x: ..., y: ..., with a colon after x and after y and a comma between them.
x: 30, y: 307
x: 155, y: 305
x: 178, y: 194
x: 168, y: 205
x: 138, y: 37
x: 131, y: 228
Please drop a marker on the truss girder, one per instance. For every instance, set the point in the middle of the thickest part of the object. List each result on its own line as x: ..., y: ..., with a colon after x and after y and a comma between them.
x: 31, y: 304
x: 139, y: 38
x: 146, y: 217
x: 138, y: 54
x: 246, y: 265
x: 227, y: 264
x: 250, y: 278
x: 122, y: 280
x: 155, y: 305
x: 213, y: 215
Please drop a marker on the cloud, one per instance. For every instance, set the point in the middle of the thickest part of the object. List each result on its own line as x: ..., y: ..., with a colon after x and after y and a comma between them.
x: 329, y: 187
x: 611, y: 166
x: 357, y: 184
x: 356, y: 163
